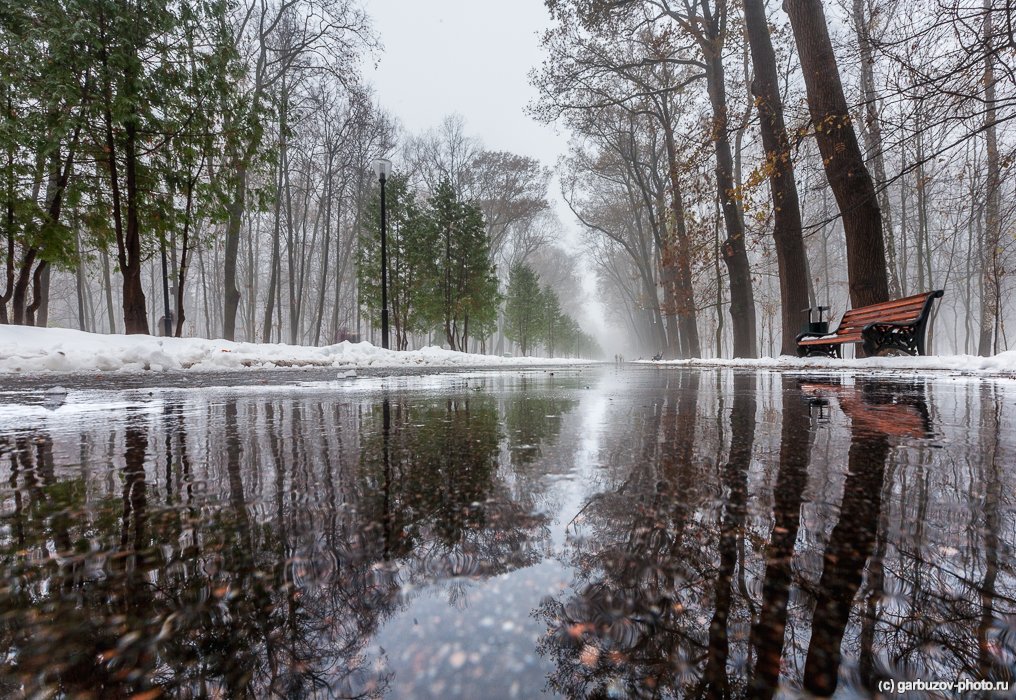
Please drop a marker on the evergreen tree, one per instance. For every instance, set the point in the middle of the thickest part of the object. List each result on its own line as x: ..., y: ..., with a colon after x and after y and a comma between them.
x: 553, y: 325
x: 524, y: 308
x: 464, y: 296
x: 109, y: 108
x: 41, y: 133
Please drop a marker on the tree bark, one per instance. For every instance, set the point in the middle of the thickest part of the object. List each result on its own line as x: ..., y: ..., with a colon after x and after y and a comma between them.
x: 37, y: 293
x: 81, y: 286
x: 678, y: 253
x: 9, y: 218
x: 231, y: 294
x: 990, y: 271
x: 273, y: 276
x: 841, y: 155
x: 181, y: 276
x: 38, y: 311
x: 791, y: 257
x: 135, y: 313
x: 735, y: 256
x: 319, y: 316
x: 127, y: 236
x: 873, y: 133
x: 21, y: 286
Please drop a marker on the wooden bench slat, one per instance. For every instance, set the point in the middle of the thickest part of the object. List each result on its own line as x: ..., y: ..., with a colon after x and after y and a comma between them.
x: 832, y: 340
x: 907, y: 312
x: 875, y: 318
x: 913, y: 299
x: 908, y: 309
x: 864, y: 319
x: 870, y: 310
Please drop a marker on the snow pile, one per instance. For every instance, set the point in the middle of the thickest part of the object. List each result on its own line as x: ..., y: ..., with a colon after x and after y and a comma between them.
x: 28, y: 350
x: 1003, y: 364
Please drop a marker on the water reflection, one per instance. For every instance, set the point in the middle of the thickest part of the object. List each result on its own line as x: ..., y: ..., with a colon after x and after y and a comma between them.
x: 723, y: 535
x: 246, y: 547
x: 768, y: 588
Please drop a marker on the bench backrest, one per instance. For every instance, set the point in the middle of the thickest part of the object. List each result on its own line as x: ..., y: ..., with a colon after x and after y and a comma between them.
x: 907, y: 310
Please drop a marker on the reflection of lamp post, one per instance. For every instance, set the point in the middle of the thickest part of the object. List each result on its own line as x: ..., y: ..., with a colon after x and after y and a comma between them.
x: 383, y: 169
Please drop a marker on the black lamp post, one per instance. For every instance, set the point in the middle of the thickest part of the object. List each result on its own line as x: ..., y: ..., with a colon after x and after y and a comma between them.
x: 167, y: 318
x: 383, y: 169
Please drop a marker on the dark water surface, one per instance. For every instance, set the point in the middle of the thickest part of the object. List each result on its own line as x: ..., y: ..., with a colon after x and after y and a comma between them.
x: 595, y: 533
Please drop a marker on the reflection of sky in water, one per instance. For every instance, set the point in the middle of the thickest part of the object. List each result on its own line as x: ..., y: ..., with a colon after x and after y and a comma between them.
x: 625, y: 533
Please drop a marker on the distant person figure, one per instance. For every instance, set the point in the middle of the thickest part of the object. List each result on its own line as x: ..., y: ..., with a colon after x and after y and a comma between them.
x: 658, y: 356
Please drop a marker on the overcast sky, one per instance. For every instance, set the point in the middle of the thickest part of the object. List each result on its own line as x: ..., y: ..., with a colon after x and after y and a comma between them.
x: 467, y: 56
x: 471, y: 57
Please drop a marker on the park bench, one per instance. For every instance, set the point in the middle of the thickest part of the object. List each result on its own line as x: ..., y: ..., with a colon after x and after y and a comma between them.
x: 891, y: 328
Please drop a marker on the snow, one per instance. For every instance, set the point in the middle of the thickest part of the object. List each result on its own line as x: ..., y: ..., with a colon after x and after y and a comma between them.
x: 27, y: 350
x: 30, y: 350
x: 1002, y: 364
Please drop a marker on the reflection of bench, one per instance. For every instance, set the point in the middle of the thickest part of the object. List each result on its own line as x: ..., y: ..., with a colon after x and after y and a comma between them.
x: 890, y: 328
x: 896, y: 409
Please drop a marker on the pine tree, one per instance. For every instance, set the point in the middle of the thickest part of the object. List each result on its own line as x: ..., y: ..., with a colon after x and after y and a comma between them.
x: 464, y: 296
x: 524, y: 312
x: 553, y: 326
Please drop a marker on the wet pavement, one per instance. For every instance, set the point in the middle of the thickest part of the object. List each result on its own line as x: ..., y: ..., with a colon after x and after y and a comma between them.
x: 579, y: 533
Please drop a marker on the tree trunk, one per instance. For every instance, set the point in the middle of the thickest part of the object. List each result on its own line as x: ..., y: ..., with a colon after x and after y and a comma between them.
x: 320, y: 315
x: 135, y: 315
x: 38, y: 311
x: 683, y: 291
x: 791, y: 258
x: 231, y: 294
x: 21, y: 287
x: 107, y: 288
x: 9, y: 224
x: 990, y: 268
x: 80, y: 285
x: 273, y: 276
x: 181, y: 275
x: 735, y: 256
x: 844, y: 163
x: 873, y: 133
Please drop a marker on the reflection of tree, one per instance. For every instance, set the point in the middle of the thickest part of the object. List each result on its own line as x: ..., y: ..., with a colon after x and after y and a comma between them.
x: 850, y: 544
x: 768, y: 633
x: 435, y: 490
x: 247, y: 548
x: 657, y: 609
x: 625, y: 632
x: 532, y: 419
x: 735, y: 483
x: 992, y: 645
x: 254, y: 547
x: 60, y: 602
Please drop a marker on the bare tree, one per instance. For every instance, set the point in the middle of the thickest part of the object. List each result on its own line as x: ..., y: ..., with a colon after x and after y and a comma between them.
x: 790, y: 254
x: 841, y: 155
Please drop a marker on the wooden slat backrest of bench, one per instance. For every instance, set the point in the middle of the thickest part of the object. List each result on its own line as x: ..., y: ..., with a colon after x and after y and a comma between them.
x: 906, y: 310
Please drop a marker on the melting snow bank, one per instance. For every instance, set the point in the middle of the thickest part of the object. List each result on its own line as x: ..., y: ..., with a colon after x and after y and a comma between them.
x: 1002, y: 364
x: 29, y: 350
